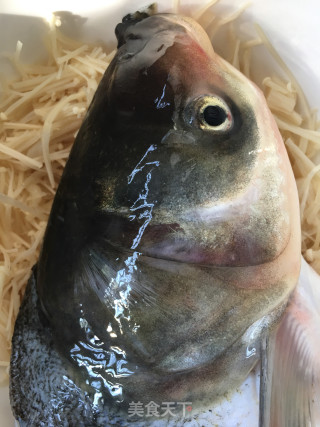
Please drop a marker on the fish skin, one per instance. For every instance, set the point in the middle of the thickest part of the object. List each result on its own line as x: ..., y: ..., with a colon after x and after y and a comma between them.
x: 41, y: 391
x: 148, y: 293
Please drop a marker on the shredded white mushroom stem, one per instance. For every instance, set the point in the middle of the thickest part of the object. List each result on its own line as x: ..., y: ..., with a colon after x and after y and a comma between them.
x: 41, y: 111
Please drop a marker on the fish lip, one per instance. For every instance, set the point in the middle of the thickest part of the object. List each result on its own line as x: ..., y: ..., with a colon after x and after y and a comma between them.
x: 165, y: 23
x: 132, y: 19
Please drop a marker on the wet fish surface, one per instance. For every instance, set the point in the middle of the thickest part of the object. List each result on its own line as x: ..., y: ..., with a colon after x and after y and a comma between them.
x: 172, y: 250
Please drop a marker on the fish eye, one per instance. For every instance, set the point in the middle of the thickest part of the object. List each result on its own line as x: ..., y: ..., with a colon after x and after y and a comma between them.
x: 209, y: 113
x: 214, y: 115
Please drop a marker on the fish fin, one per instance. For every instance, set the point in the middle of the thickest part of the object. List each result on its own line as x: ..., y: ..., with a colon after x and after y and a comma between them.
x: 98, y: 269
x: 295, y: 380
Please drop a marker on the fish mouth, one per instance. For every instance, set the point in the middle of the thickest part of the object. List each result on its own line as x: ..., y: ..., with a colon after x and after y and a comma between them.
x: 130, y: 20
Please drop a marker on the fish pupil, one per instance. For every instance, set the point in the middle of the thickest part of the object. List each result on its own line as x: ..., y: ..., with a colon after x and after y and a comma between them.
x: 214, y: 115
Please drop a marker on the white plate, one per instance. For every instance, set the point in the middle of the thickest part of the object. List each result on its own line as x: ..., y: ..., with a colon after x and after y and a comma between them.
x: 292, y: 26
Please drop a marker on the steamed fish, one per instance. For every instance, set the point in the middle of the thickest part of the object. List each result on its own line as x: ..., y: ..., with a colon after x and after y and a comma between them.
x: 172, y: 250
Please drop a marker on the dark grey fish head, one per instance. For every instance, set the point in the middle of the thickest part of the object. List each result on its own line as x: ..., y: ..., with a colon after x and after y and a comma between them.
x: 189, y: 144
x: 175, y: 225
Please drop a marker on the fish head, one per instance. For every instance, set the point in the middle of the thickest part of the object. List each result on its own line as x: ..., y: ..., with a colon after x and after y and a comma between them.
x: 175, y: 228
x: 203, y: 176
